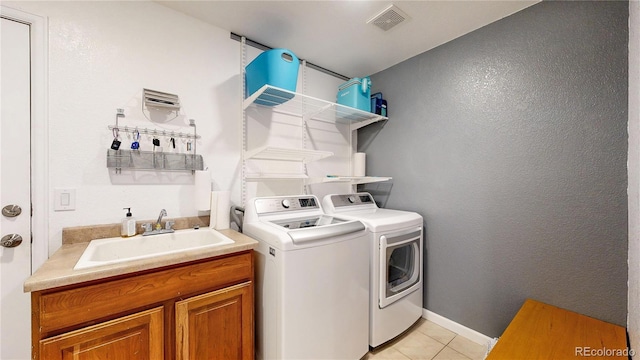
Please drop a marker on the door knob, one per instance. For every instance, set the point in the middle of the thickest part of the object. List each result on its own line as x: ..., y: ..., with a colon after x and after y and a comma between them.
x: 11, y: 210
x: 11, y: 240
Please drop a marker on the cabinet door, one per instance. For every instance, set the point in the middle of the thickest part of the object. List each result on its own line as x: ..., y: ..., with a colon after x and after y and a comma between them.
x: 216, y: 325
x: 137, y: 336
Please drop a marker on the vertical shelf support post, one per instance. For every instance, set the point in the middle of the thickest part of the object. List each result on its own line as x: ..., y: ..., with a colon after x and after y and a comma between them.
x: 243, y: 155
x: 305, y: 124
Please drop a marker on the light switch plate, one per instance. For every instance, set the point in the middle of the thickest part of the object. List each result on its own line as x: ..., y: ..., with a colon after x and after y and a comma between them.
x: 64, y: 199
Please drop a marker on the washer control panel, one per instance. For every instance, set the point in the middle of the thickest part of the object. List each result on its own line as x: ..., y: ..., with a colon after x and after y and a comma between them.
x: 352, y: 200
x: 289, y: 203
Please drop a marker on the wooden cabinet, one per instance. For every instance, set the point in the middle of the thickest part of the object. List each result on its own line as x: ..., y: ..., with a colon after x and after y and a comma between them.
x: 543, y: 331
x: 200, y: 310
x: 135, y: 337
x: 215, y: 325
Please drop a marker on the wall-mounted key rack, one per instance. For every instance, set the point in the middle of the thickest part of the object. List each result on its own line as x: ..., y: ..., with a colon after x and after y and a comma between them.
x: 154, y: 132
x: 136, y: 159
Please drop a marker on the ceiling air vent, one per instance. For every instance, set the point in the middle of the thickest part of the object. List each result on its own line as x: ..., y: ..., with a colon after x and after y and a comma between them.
x: 389, y: 17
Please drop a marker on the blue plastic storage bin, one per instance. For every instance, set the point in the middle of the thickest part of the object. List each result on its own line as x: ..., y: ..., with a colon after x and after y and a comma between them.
x: 356, y: 93
x: 276, y: 67
x: 378, y: 104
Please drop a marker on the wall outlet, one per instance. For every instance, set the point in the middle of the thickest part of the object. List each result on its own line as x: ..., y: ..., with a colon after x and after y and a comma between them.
x: 64, y: 199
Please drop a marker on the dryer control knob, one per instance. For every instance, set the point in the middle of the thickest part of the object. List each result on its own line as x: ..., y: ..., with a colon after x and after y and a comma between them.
x: 286, y: 203
x: 351, y: 199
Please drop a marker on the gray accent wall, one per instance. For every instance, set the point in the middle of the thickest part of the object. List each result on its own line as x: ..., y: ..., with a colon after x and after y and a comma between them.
x: 511, y: 141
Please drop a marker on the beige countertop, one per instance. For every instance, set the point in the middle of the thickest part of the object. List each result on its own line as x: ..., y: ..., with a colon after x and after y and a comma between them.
x: 58, y: 270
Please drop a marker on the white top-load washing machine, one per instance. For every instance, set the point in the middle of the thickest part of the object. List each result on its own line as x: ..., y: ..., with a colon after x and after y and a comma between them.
x: 312, y: 280
x: 396, y: 262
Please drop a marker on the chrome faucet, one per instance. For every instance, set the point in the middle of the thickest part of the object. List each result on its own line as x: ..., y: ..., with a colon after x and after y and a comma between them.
x: 157, y: 227
x: 163, y: 212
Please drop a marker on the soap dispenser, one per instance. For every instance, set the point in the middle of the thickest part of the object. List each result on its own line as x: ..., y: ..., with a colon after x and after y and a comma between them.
x: 128, y: 224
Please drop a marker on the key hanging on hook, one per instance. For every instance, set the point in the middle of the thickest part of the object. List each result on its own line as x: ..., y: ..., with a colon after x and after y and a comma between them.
x: 135, y: 145
x: 115, y: 144
x: 156, y: 143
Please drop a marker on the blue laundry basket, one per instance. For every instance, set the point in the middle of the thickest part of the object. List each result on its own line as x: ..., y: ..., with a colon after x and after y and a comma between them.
x: 276, y: 67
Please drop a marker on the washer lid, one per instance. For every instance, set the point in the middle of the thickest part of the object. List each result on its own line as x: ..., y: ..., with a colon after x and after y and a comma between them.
x: 325, y: 232
x: 308, y: 222
x: 317, y: 228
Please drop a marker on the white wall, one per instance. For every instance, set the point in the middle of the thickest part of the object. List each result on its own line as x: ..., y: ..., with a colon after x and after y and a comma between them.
x: 101, y: 55
x: 633, y: 321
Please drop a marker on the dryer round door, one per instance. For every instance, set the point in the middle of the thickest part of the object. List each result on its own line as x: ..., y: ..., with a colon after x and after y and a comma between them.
x: 400, y: 265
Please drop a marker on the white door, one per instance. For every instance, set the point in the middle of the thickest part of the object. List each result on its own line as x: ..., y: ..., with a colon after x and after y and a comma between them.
x: 15, y: 189
x: 401, y: 261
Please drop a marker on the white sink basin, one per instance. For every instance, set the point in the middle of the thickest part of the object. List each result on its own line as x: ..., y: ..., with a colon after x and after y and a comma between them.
x: 114, y: 250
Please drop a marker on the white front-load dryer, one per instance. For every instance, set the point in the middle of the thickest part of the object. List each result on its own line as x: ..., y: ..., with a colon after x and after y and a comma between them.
x: 396, y: 258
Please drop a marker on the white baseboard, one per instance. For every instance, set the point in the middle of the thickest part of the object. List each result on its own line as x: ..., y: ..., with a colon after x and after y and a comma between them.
x: 456, y: 328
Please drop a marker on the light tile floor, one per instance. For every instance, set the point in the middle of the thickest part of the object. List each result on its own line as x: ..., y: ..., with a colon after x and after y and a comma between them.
x: 428, y: 341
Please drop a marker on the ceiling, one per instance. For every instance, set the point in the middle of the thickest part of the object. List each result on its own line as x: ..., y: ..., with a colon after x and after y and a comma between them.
x: 335, y: 34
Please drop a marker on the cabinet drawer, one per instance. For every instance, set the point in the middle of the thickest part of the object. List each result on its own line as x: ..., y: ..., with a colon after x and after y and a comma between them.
x: 66, y: 308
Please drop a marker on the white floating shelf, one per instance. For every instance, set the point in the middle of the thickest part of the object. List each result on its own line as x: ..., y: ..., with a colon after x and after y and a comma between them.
x: 286, y: 154
x: 288, y: 102
x: 353, y: 180
x: 279, y: 177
